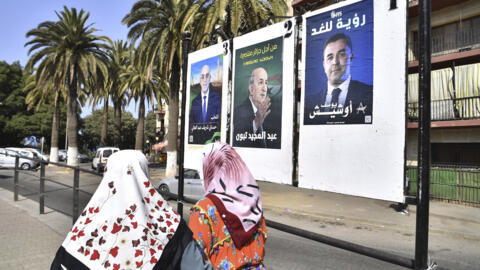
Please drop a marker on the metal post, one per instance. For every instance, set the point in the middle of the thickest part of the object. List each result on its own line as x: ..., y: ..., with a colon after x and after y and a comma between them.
x: 42, y: 188
x: 15, y: 179
x: 423, y: 183
x: 75, y: 212
x: 296, y: 98
x: 230, y: 90
x: 185, y: 49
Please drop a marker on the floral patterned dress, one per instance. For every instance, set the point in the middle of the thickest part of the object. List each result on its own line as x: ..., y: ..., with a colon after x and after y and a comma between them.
x: 212, y: 237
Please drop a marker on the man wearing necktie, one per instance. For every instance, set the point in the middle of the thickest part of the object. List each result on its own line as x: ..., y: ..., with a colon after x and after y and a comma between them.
x: 206, y: 106
x: 252, y: 116
x: 344, y: 101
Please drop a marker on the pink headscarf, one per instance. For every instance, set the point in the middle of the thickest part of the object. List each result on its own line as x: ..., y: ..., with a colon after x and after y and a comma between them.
x: 233, y: 190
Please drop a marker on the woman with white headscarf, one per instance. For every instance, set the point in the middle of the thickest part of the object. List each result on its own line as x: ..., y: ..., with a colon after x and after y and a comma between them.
x: 127, y: 225
x: 228, y: 225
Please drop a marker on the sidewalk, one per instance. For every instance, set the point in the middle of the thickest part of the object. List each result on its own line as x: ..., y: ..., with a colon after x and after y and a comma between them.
x: 30, y: 240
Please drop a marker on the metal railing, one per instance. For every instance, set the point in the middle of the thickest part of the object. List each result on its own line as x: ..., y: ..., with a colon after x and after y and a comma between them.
x: 449, y: 38
x: 451, y: 183
x: 448, y: 109
x: 41, y: 191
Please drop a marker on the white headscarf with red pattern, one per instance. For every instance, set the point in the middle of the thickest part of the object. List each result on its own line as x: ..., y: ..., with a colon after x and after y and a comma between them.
x: 127, y: 223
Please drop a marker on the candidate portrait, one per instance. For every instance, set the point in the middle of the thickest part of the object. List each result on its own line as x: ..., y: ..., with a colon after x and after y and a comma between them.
x: 206, y: 102
x: 254, y: 124
x: 343, y: 99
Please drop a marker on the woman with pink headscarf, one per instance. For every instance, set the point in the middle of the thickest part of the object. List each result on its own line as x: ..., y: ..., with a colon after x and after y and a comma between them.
x: 227, y: 224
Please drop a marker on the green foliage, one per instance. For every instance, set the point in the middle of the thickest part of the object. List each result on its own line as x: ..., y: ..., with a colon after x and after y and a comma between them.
x: 16, y: 122
x: 12, y: 102
x: 91, y: 129
x: 150, y: 126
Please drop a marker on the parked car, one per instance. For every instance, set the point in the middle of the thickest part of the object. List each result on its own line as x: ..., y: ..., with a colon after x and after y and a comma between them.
x: 193, y: 185
x: 101, y: 157
x: 7, y: 159
x: 42, y: 155
x: 62, y: 155
x: 83, y: 158
x: 26, y: 152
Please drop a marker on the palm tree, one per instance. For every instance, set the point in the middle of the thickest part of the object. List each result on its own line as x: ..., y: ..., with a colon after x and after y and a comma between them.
x: 99, y: 91
x: 38, y: 94
x: 70, y: 54
x: 142, y: 86
x: 160, y: 24
x: 119, y: 59
x: 235, y: 17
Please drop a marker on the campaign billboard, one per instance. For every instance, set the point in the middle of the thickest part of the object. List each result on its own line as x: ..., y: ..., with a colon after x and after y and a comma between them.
x: 207, y: 100
x: 352, y: 112
x: 339, y: 66
x: 262, y: 103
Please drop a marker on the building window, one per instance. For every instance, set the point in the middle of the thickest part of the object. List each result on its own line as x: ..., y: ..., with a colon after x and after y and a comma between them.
x: 464, y: 154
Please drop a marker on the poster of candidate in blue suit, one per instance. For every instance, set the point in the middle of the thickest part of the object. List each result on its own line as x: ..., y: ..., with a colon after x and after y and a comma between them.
x: 339, y: 66
x: 205, y: 100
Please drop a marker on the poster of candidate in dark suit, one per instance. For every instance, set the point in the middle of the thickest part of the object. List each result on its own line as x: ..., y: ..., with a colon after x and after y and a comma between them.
x: 205, y: 100
x: 257, y: 116
x: 339, y: 66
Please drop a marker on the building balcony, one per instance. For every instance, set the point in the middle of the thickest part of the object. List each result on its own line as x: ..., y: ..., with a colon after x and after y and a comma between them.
x: 466, y: 110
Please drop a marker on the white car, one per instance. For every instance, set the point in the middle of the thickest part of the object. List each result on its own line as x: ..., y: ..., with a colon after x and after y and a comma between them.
x: 7, y: 159
x: 62, y: 155
x: 42, y: 155
x: 101, y: 157
x: 35, y: 153
x: 193, y: 185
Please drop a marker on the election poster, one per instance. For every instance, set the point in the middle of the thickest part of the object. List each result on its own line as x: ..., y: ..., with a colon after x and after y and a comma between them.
x: 261, y: 129
x: 257, y: 120
x: 352, y: 110
x: 206, y: 100
x: 339, y: 66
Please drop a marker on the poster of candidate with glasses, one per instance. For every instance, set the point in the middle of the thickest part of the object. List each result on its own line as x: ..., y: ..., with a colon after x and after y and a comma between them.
x: 339, y: 66
x: 205, y: 100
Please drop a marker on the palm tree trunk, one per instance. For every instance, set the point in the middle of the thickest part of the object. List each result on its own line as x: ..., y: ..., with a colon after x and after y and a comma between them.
x: 117, y: 121
x: 103, y: 136
x: 140, y: 125
x: 55, y: 129
x: 171, y: 168
x: 72, y: 128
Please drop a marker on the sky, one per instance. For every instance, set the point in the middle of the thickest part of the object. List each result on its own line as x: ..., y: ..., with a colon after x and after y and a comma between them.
x: 17, y: 17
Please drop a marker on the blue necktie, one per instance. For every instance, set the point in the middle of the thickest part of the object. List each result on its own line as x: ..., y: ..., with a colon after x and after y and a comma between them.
x: 204, y: 109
